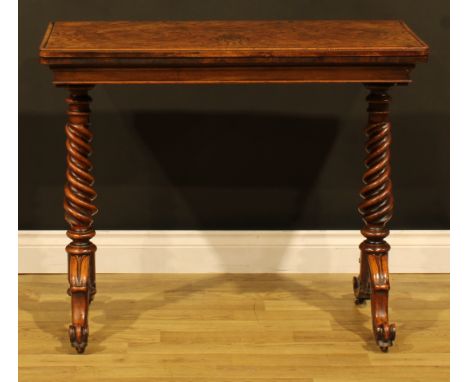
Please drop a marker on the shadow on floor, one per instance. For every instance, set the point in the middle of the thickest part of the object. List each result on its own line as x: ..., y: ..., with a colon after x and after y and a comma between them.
x: 106, y: 311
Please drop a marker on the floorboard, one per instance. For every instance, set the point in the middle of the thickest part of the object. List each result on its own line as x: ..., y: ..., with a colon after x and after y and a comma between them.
x: 233, y: 327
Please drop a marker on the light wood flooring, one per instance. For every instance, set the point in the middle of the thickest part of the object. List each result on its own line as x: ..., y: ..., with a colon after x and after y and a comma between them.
x: 233, y: 327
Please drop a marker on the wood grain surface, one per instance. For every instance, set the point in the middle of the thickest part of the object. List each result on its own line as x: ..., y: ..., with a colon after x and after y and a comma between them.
x: 232, y: 38
x: 210, y: 52
x: 233, y: 327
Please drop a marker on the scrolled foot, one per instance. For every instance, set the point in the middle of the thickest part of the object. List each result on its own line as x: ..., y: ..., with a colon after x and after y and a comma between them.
x: 359, y: 300
x: 385, y: 334
x: 361, y: 294
x: 78, y: 337
x: 92, y: 293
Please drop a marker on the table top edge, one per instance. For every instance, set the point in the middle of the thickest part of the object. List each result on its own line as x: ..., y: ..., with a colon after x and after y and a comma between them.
x: 420, y: 51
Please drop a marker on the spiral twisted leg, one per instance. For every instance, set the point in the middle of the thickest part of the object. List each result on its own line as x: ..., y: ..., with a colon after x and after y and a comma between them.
x: 79, y: 211
x: 376, y: 210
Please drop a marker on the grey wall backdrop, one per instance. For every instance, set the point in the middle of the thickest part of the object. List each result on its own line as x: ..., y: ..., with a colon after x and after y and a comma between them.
x: 235, y: 157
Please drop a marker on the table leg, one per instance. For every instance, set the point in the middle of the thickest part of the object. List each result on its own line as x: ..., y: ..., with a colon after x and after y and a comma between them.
x: 79, y: 211
x: 376, y: 210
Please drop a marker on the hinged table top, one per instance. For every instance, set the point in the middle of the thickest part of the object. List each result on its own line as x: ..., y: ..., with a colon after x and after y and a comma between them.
x: 306, y: 38
x: 276, y: 51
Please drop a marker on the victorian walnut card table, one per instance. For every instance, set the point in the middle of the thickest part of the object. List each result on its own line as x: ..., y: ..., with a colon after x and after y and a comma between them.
x: 377, y: 54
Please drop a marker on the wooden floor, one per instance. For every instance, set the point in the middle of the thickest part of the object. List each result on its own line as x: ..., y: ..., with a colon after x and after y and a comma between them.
x: 233, y: 328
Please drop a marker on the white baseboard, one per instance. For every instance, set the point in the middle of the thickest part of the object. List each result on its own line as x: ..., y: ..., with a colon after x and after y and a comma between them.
x: 235, y: 251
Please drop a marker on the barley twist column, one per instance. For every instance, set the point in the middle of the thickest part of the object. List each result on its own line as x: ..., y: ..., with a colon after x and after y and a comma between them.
x: 376, y: 210
x: 79, y: 211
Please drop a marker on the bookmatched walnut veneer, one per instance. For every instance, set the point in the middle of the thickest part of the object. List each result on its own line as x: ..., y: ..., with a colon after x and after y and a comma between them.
x: 378, y: 54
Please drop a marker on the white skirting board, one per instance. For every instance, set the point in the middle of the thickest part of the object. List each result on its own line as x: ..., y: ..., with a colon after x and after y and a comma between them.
x: 235, y: 251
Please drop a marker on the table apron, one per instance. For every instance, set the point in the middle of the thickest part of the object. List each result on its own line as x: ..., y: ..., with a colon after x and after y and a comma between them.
x: 398, y: 74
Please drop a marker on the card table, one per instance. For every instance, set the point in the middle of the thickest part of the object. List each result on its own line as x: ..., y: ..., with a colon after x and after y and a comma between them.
x: 376, y: 53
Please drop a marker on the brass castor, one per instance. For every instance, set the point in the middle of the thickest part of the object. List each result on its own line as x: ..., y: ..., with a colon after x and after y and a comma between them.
x: 384, y: 337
